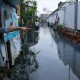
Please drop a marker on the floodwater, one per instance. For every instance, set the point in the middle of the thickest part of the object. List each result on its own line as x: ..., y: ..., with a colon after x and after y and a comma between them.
x: 50, y: 57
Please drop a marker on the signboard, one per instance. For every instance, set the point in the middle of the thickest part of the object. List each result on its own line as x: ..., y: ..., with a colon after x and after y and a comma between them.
x: 9, y: 16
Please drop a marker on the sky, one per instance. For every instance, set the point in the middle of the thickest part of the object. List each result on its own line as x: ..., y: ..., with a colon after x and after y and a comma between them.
x: 49, y: 5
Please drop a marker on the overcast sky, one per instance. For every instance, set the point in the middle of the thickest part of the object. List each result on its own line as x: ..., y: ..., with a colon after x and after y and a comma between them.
x: 50, y: 5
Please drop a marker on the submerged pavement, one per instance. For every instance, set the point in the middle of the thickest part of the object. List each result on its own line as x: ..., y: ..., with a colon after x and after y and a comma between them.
x: 47, y: 55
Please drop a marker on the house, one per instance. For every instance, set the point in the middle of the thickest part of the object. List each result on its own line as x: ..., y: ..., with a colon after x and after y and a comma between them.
x: 66, y: 15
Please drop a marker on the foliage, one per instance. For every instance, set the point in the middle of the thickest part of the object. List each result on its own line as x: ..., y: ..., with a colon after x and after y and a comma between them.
x: 28, y: 11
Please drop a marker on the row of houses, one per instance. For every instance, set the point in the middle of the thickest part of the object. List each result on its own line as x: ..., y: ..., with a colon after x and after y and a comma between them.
x: 67, y: 15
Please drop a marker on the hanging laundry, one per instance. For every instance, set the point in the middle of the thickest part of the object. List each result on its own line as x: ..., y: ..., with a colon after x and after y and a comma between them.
x: 7, y: 19
x: 15, y: 47
x: 14, y: 17
x: 15, y: 42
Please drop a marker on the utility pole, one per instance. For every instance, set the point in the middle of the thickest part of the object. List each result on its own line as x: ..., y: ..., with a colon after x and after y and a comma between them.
x: 76, y: 15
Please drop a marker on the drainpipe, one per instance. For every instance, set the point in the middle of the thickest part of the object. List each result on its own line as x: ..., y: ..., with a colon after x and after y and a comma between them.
x: 76, y: 16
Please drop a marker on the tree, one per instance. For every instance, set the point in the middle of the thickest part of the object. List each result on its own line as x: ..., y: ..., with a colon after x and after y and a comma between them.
x: 28, y: 11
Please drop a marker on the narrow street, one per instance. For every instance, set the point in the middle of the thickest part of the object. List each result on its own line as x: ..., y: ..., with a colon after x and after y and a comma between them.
x: 46, y: 55
x: 52, y: 57
x: 56, y: 58
x: 39, y: 40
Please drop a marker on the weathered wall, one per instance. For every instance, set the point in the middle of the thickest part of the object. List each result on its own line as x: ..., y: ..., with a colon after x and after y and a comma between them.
x: 53, y: 19
x: 69, y: 17
x: 61, y: 17
x: 78, y: 15
x: 50, y: 18
x: 66, y: 14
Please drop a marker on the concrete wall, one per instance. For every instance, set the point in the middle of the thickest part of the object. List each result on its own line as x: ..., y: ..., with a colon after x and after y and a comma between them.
x: 53, y: 19
x: 69, y: 17
x: 50, y: 18
x: 78, y: 15
x: 66, y: 15
x: 61, y: 17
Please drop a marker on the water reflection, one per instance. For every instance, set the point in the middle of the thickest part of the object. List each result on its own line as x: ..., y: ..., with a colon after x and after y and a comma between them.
x: 26, y: 62
x: 69, y: 53
x: 32, y: 38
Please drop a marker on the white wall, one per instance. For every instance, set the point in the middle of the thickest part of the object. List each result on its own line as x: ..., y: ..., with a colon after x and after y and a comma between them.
x: 78, y: 16
x: 53, y: 19
x: 69, y: 17
x: 49, y: 20
x: 61, y: 16
x: 66, y: 4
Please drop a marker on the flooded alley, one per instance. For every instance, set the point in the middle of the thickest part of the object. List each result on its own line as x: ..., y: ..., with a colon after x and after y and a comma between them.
x: 50, y: 57
x: 39, y: 40
x: 58, y: 58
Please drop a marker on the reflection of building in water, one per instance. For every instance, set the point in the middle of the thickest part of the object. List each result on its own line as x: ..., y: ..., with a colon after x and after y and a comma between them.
x: 32, y: 38
x: 68, y: 53
x: 25, y: 64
